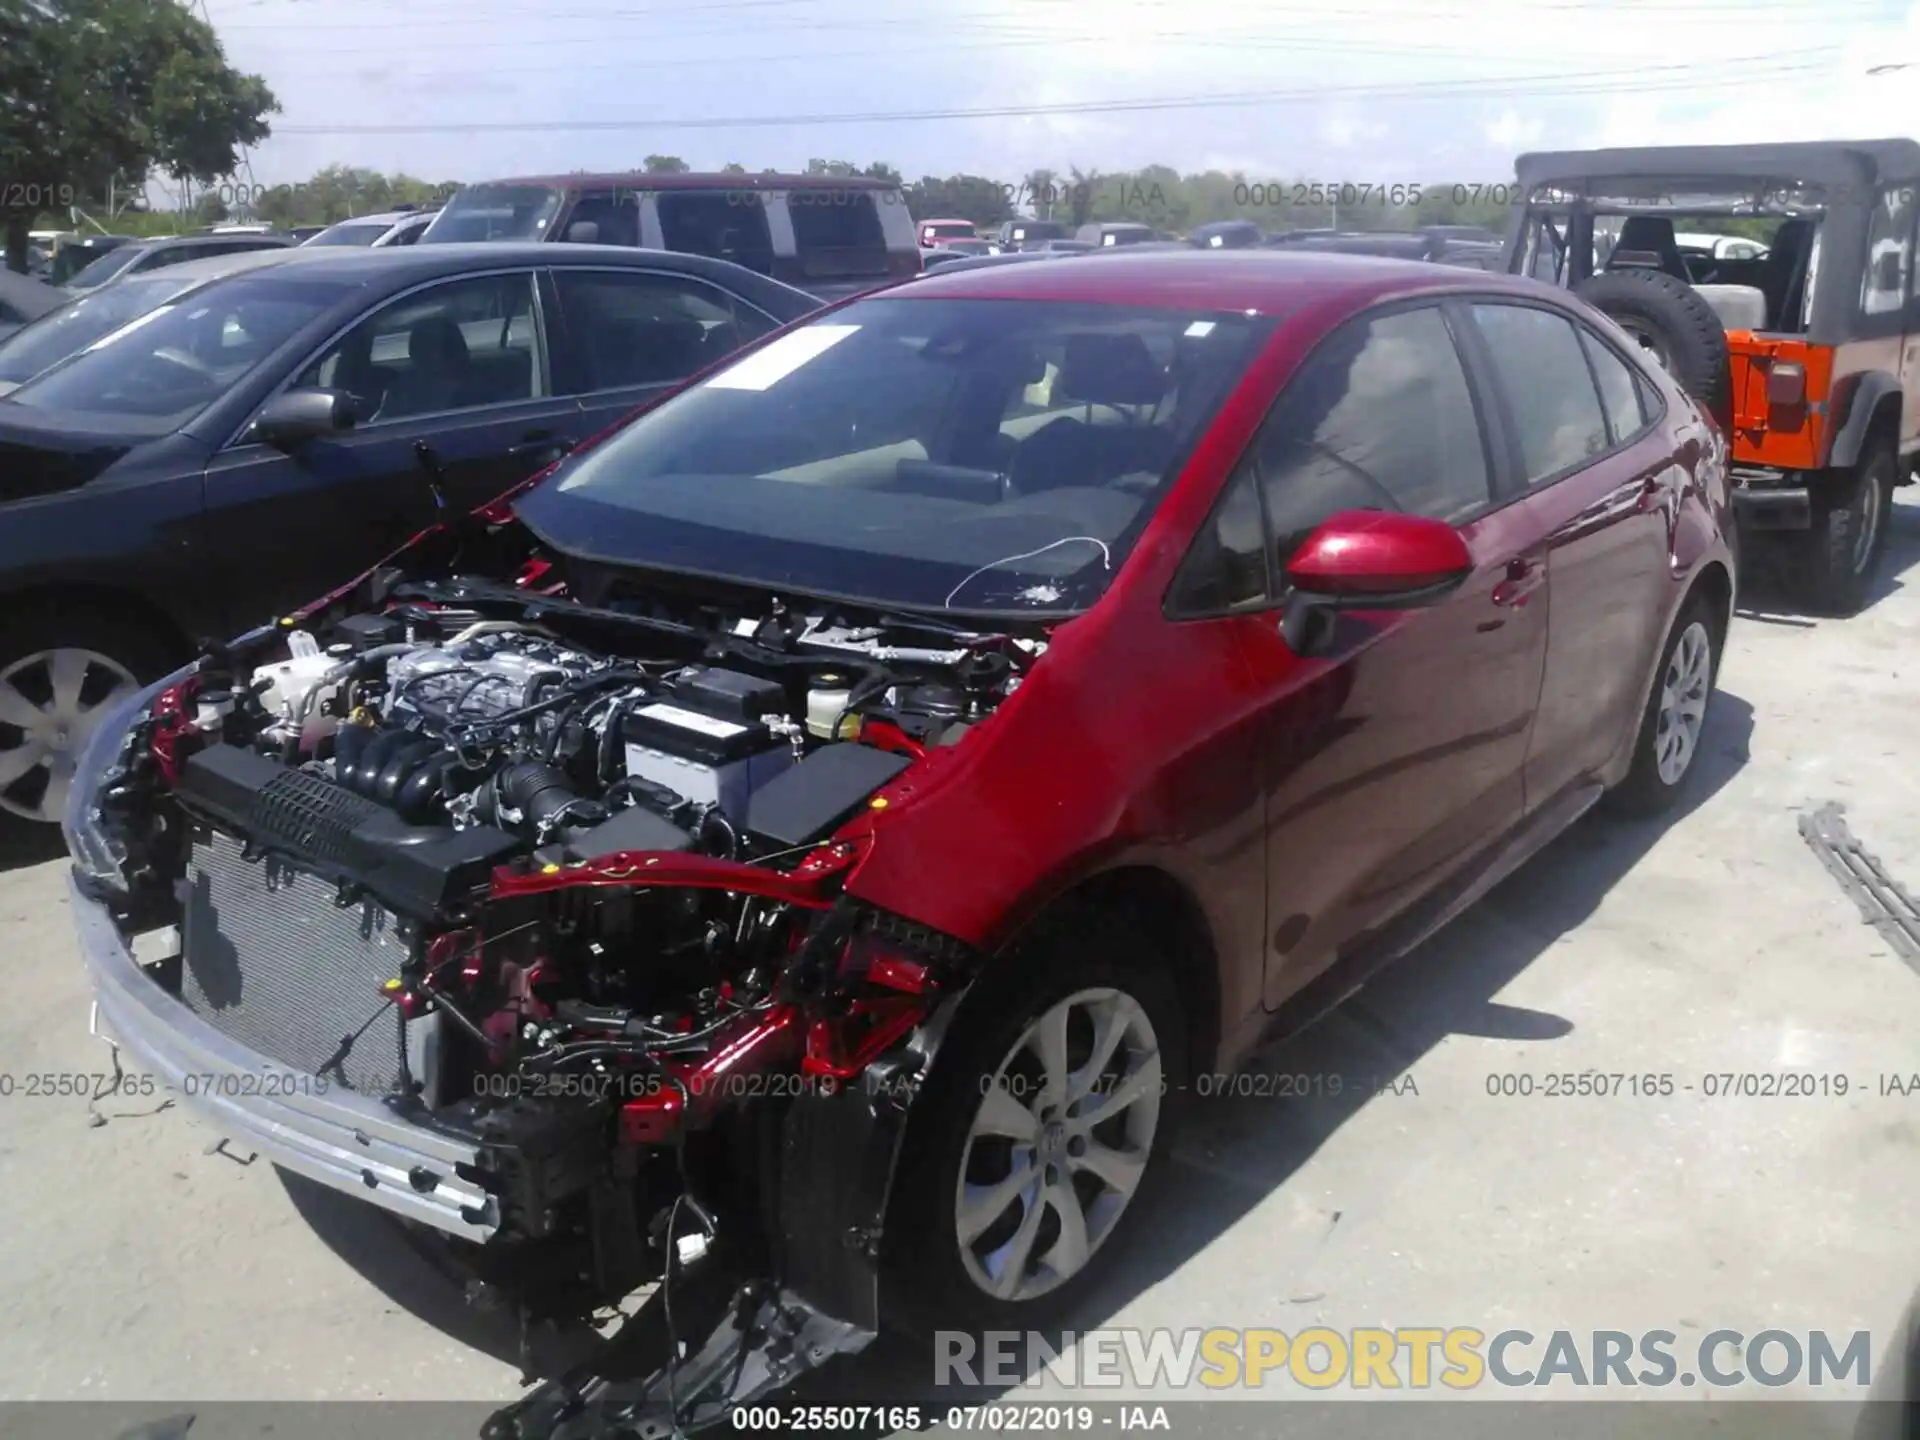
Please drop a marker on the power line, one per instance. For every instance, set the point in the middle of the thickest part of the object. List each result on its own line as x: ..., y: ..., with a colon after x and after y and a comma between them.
x: 1583, y: 83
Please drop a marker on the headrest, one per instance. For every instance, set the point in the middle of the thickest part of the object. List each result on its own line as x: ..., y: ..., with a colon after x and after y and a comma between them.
x: 1102, y: 369
x: 436, y: 340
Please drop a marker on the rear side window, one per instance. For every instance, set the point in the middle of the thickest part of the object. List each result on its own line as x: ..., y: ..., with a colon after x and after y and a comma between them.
x: 645, y: 329
x: 729, y: 225
x: 1556, y: 409
x: 1884, y: 288
x: 613, y: 215
x: 838, y: 232
x: 1379, y: 417
x: 1620, y: 393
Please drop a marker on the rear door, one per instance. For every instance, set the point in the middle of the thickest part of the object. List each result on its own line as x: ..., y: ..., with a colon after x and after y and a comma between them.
x: 1395, y: 759
x: 624, y: 337
x: 454, y: 386
x: 1602, y: 482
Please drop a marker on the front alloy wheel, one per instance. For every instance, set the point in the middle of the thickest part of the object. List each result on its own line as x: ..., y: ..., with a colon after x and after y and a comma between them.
x: 50, y: 702
x: 1058, y: 1144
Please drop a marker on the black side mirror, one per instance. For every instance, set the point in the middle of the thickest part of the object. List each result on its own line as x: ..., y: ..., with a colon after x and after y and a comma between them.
x: 1890, y: 273
x: 294, y: 417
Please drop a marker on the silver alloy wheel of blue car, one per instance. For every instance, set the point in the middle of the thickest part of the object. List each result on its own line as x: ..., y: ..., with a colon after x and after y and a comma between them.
x: 1070, y: 1149
x: 80, y: 687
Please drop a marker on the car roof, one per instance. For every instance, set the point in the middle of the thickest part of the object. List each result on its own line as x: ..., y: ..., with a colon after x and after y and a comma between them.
x: 31, y: 297
x: 698, y: 180
x: 405, y: 264
x: 1812, y: 161
x: 1264, y: 282
x: 253, y: 241
x: 212, y: 267
x: 383, y: 217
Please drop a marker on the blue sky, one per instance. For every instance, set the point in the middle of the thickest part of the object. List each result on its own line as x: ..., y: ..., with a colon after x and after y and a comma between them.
x: 1361, y: 90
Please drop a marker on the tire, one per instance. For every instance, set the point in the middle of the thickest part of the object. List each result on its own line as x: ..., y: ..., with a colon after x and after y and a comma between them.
x: 1682, y: 695
x: 60, y: 666
x: 1849, y: 532
x: 1097, y: 966
x: 1677, y: 328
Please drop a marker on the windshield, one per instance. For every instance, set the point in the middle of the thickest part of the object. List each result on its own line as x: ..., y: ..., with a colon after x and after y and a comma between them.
x: 345, y: 234
x: 973, y: 455
x: 171, y: 362
x: 78, y: 323
x: 495, y: 212
x: 98, y: 272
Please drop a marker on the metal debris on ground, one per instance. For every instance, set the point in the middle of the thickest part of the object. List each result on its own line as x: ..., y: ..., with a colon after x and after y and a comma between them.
x: 1884, y: 903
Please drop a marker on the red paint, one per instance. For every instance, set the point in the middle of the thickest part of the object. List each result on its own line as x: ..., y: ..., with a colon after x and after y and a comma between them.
x: 172, y: 733
x: 807, y: 887
x: 885, y: 735
x: 692, y: 1094
x: 840, y: 1047
x: 1368, y: 552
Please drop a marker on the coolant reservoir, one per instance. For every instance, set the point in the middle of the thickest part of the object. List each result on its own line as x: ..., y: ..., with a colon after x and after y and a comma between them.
x: 295, y: 689
x: 825, y: 706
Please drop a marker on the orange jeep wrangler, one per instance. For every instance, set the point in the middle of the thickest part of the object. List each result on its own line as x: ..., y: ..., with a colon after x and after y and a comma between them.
x: 1808, y: 352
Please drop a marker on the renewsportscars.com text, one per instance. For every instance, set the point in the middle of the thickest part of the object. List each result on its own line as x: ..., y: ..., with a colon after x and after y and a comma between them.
x: 1407, y: 1358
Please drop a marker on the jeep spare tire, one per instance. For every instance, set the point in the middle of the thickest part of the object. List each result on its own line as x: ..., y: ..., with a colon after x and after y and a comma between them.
x: 1675, y: 327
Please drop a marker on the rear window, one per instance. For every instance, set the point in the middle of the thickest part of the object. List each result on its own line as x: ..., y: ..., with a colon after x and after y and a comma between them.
x: 838, y: 232
x: 496, y: 212
x: 728, y: 225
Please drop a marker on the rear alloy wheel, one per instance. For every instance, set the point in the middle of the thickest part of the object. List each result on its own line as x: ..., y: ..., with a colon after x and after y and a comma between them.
x: 1675, y: 720
x: 1040, y: 1132
x: 1849, y: 530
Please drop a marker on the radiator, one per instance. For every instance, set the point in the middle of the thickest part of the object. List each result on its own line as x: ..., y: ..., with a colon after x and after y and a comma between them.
x: 269, y: 960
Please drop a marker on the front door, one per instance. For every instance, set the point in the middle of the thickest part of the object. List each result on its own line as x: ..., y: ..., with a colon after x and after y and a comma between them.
x: 1396, y: 758
x: 452, y: 383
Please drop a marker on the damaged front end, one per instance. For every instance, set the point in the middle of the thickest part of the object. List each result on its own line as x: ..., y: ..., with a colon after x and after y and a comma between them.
x: 524, y: 919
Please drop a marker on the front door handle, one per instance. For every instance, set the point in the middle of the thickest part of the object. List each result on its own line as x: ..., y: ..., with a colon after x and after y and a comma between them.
x: 1524, y: 576
x: 542, y: 442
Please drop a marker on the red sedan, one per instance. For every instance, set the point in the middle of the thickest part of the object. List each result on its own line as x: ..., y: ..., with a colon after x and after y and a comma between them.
x: 833, y: 817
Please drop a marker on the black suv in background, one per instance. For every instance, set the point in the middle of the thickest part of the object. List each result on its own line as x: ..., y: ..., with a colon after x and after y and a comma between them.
x: 829, y: 235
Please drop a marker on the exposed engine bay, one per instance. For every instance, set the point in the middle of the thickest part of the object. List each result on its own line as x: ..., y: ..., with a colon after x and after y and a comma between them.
x: 564, y: 880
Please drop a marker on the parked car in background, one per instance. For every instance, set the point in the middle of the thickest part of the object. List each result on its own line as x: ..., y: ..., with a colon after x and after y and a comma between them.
x: 1225, y: 235
x: 829, y: 235
x: 1437, y: 244
x: 1062, y: 246
x: 883, y: 776
x: 1705, y: 247
x: 238, y: 451
x: 1027, y: 234
x: 144, y: 256
x: 73, y: 255
x: 961, y: 247
x: 1101, y: 234
x: 1808, y: 354
x: 23, y: 300
x: 79, y: 320
x: 392, y: 227
x: 933, y: 232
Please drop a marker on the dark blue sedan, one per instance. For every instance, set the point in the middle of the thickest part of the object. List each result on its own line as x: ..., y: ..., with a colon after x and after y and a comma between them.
x: 238, y: 450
